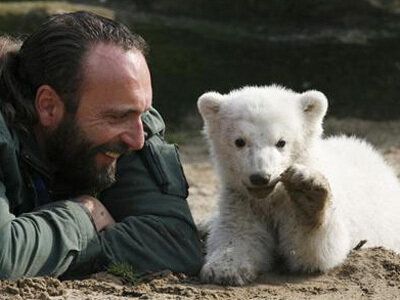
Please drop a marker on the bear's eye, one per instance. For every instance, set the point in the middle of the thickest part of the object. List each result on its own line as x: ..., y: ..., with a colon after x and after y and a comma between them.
x: 280, y: 144
x: 240, y: 143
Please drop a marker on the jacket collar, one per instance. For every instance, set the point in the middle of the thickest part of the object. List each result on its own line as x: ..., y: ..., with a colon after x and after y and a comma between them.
x: 32, y: 155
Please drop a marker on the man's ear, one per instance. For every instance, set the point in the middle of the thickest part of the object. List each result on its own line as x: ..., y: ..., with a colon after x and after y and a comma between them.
x: 209, y: 104
x: 49, y: 107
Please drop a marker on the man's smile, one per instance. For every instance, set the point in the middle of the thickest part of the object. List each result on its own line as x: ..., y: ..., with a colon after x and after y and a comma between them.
x: 112, y: 154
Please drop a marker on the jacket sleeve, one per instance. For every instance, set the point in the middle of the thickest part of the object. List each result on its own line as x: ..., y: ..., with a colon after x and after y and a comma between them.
x: 44, y: 242
x: 155, y: 229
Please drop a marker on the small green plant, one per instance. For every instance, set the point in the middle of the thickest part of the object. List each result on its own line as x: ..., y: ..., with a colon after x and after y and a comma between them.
x: 125, y: 271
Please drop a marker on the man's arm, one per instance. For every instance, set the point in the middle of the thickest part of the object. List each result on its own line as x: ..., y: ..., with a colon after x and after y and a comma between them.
x: 44, y: 242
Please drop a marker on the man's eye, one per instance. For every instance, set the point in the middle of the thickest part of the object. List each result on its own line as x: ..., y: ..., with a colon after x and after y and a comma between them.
x: 280, y: 144
x: 240, y: 143
x: 120, y: 116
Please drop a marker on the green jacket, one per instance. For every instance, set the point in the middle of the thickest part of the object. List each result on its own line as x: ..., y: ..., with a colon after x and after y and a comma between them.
x: 44, y: 232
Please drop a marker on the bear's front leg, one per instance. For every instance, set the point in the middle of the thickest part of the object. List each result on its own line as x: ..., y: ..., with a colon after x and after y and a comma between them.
x: 309, y: 192
x: 238, y: 250
x: 312, y: 233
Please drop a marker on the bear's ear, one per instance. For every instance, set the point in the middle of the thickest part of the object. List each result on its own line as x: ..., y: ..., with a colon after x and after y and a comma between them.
x: 209, y: 104
x: 314, y: 105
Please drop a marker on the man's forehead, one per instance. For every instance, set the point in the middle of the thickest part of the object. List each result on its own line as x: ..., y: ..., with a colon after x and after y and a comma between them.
x: 115, y: 76
x: 111, y: 62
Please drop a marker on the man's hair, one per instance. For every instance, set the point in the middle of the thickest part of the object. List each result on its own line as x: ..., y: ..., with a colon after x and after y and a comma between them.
x: 54, y: 55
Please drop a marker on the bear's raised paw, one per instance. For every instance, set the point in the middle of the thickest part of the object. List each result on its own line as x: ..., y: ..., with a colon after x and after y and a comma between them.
x: 309, y: 191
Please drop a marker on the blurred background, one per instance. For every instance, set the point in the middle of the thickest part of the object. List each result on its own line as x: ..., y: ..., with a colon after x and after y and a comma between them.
x: 349, y: 49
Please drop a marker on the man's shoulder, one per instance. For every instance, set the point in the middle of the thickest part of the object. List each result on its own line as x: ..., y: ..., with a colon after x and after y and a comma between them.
x: 153, y: 122
x: 7, y: 135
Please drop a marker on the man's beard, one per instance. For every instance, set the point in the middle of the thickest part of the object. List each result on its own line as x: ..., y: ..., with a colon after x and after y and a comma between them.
x: 73, y: 156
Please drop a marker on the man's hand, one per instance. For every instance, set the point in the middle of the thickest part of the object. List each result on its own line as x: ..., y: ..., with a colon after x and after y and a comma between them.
x: 101, y: 217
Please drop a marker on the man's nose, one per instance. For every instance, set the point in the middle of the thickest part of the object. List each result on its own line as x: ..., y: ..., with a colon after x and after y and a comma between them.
x: 134, y: 136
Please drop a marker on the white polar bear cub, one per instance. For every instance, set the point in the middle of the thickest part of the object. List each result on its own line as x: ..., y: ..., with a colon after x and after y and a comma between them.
x: 286, y: 191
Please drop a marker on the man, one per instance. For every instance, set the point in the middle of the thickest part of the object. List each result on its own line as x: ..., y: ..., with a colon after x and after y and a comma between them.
x: 86, y: 176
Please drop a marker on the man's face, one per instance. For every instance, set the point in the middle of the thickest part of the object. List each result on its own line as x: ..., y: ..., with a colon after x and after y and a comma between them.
x: 115, y: 92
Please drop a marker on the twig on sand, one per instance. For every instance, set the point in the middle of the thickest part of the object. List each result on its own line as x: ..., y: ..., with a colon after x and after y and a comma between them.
x: 360, y: 244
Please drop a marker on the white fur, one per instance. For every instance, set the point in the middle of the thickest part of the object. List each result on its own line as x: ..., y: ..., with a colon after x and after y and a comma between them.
x: 250, y: 231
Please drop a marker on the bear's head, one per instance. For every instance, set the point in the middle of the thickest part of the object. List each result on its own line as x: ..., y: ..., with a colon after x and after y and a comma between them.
x: 256, y: 133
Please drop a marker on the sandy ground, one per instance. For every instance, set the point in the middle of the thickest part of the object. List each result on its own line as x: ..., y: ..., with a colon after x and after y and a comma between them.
x: 366, y: 274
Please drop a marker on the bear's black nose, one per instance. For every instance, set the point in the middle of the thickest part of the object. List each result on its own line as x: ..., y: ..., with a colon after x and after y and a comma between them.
x: 259, y: 179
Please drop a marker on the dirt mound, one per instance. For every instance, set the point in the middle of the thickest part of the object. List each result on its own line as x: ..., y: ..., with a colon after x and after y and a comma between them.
x: 368, y: 273
x: 32, y: 288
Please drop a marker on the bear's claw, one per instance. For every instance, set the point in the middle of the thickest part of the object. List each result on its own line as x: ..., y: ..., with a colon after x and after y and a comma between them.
x: 226, y: 276
x: 225, y: 269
